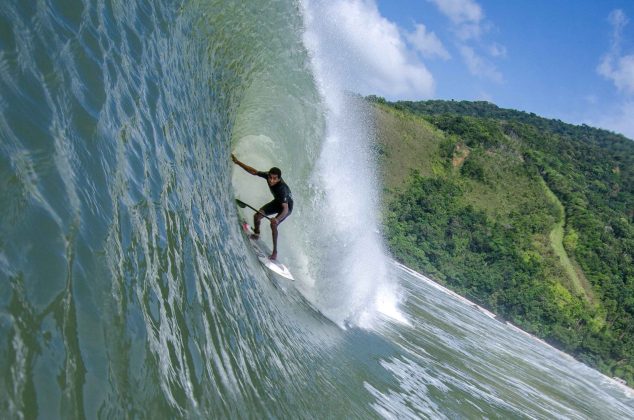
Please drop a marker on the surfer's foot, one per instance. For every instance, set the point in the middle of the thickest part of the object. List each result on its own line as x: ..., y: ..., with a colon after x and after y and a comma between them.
x: 255, y: 236
x: 273, y: 256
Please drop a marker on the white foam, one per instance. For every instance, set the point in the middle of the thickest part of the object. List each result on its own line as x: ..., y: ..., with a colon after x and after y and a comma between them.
x: 352, y: 282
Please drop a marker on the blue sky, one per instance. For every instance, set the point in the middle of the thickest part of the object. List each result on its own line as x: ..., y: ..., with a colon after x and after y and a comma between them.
x: 565, y: 59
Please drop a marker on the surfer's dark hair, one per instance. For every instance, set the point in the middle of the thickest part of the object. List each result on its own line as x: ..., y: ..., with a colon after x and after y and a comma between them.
x: 275, y: 171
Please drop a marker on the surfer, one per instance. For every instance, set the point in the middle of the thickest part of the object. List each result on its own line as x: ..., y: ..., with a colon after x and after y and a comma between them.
x: 281, y: 206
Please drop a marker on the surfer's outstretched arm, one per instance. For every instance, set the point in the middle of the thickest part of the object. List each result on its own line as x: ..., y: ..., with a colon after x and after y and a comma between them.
x: 246, y: 167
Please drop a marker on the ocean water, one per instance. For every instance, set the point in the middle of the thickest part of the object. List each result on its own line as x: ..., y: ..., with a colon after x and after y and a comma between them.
x: 127, y: 289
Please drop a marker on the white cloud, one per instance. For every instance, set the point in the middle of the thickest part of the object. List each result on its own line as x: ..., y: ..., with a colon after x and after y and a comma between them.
x: 466, y: 15
x: 620, y: 120
x: 469, y: 31
x: 427, y: 43
x: 460, y: 11
x: 484, y: 96
x: 618, y: 19
x: 620, y: 70
x: 478, y: 66
x: 497, y: 50
x: 469, y: 25
x: 364, y: 52
x: 614, y: 66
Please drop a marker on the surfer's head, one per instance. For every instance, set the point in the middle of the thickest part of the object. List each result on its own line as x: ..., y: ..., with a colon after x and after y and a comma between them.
x: 275, y: 175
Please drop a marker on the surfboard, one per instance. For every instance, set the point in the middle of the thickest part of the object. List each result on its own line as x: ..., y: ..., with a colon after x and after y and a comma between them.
x: 262, y: 251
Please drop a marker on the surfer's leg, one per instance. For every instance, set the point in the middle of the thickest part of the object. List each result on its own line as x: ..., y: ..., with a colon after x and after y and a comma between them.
x: 257, y: 217
x: 267, y: 209
x: 274, y: 231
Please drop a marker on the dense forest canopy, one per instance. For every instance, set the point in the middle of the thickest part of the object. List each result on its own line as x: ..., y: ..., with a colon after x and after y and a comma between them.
x: 530, y: 217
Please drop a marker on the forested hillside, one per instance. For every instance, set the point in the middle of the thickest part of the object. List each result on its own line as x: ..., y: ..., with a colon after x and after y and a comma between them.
x: 530, y: 217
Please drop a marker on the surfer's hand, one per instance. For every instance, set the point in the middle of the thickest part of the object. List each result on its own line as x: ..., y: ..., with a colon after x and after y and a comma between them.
x: 234, y: 158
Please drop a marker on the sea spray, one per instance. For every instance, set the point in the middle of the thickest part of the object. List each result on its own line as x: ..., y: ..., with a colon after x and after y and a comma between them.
x: 351, y: 284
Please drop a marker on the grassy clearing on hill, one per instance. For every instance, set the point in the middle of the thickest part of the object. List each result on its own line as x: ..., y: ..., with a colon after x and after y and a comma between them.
x: 409, y: 140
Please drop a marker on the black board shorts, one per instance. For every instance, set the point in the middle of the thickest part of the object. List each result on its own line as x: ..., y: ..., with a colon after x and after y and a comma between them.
x: 275, y: 207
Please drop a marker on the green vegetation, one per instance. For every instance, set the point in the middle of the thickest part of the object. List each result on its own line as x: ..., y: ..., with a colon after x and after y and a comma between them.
x: 531, y: 218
